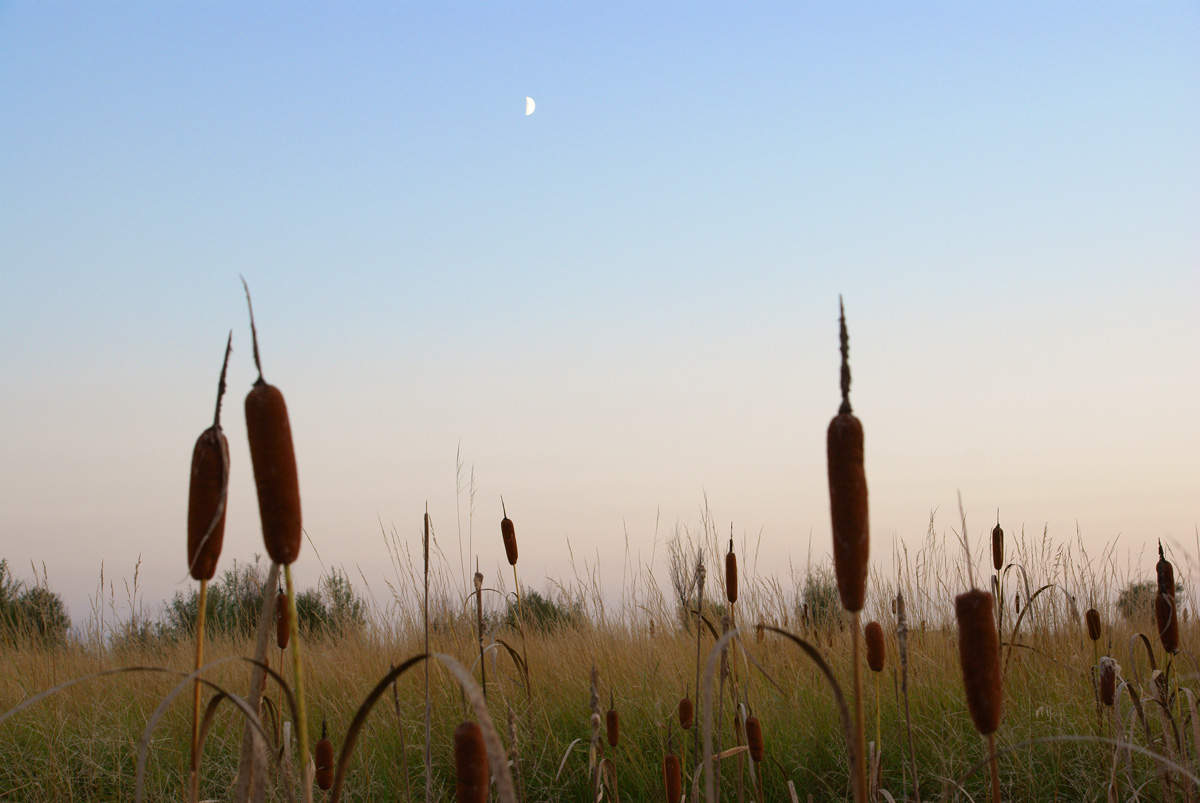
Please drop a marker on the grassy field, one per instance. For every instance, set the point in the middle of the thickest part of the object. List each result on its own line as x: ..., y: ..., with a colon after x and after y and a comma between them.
x: 82, y: 743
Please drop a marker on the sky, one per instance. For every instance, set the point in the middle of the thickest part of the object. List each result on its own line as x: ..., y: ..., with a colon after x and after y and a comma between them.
x: 615, y: 308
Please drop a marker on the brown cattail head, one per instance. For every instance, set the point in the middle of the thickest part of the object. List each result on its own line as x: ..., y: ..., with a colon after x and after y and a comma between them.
x: 672, y: 778
x: 979, y: 655
x: 997, y: 547
x: 206, y: 502
x: 873, y: 634
x: 274, y: 461
x: 760, y: 632
x: 686, y: 713
x: 1093, y: 623
x: 754, y: 739
x: 848, y: 492
x: 1108, y: 680
x: 1164, y: 604
x: 282, y: 617
x: 324, y: 760
x: 510, y: 537
x: 208, y: 491
x: 731, y: 587
x: 471, y: 762
x: 613, y: 723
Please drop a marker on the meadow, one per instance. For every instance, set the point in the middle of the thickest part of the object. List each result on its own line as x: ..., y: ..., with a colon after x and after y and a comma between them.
x: 82, y: 743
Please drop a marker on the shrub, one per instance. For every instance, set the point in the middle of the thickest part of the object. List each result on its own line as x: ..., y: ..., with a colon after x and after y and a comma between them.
x: 36, y: 613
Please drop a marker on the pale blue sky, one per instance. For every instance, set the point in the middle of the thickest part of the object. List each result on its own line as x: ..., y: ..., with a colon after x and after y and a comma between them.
x: 616, y: 304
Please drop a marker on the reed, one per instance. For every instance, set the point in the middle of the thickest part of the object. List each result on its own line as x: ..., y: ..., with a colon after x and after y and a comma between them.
x: 1164, y: 604
x: 997, y: 547
x: 208, y: 491
x: 612, y: 722
x: 686, y: 712
x: 876, y: 651
x: 754, y: 741
x: 470, y: 763
x: 851, y: 538
x: 979, y: 657
x: 508, y: 534
x: 1092, y: 617
x: 283, y: 627
x: 277, y: 482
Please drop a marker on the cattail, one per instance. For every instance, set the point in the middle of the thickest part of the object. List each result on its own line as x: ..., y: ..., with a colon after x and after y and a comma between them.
x: 471, y: 762
x: 873, y: 633
x: 997, y: 547
x: 324, y: 760
x: 1164, y: 604
x: 754, y: 739
x: 672, y: 778
x: 274, y: 461
x: 1108, y: 680
x: 848, y: 494
x: 686, y: 713
x: 509, y: 534
x: 760, y: 632
x: 731, y: 587
x: 613, y: 723
x: 979, y: 655
x: 282, y: 629
x: 208, y: 490
x: 1093, y: 623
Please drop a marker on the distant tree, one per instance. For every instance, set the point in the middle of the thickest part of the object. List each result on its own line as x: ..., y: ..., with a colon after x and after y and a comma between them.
x: 35, y: 614
x: 821, y: 596
x: 544, y: 614
x: 1136, y: 600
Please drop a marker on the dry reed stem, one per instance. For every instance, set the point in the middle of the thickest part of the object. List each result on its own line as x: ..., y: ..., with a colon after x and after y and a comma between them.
x: 249, y: 783
x: 298, y: 682
x: 194, y: 769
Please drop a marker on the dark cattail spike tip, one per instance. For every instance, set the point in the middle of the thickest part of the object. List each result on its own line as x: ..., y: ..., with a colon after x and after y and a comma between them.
x: 844, y: 337
x: 979, y: 656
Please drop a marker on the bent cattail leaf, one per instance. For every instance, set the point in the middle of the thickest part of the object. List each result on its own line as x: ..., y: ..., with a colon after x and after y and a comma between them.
x: 873, y: 634
x: 208, y: 491
x: 848, y: 494
x: 324, y: 760
x: 282, y: 615
x: 613, y: 723
x: 510, y: 537
x: 274, y: 461
x: 1164, y: 604
x: 997, y: 547
x: 979, y: 655
x: 754, y: 739
x: 1108, y: 680
x: 471, y: 763
x: 731, y: 578
x: 686, y: 713
x: 672, y: 778
x: 1093, y: 623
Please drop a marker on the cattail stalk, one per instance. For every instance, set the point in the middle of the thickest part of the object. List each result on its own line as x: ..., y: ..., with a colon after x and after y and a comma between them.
x: 479, y: 620
x: 508, y: 534
x: 298, y: 682
x: 851, y: 538
x: 208, y: 493
x: 700, y: 574
x: 428, y: 703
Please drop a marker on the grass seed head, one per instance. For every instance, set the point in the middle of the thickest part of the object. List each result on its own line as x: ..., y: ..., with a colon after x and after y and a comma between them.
x: 754, y: 739
x: 873, y: 634
x: 471, y: 763
x: 1164, y: 604
x: 979, y: 656
x: 1093, y: 623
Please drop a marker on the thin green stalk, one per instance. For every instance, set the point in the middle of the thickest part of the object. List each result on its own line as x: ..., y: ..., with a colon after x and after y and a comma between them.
x: 194, y: 774
x: 298, y: 680
x: 860, y: 749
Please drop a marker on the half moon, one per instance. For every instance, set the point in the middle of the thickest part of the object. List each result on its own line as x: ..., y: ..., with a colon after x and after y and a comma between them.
x: 529, y: 106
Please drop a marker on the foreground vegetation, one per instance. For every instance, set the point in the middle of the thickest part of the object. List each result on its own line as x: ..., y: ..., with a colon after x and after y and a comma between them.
x: 81, y: 744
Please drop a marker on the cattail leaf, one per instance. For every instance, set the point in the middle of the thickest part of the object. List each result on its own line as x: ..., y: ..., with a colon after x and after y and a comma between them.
x: 516, y: 660
x: 710, y: 669
x: 565, y: 755
x: 1012, y: 636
